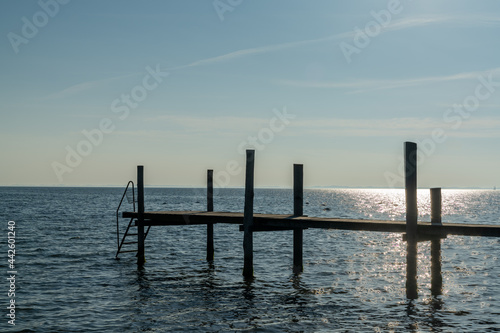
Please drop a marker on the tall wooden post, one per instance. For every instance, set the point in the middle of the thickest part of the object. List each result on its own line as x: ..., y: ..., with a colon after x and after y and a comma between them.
x: 436, y: 276
x: 436, y: 205
x: 210, y: 208
x: 140, y: 213
x: 411, y: 219
x: 248, y: 215
x: 298, y: 207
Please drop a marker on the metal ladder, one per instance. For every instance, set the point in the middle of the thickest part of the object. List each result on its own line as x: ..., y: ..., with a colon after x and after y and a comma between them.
x: 130, y: 224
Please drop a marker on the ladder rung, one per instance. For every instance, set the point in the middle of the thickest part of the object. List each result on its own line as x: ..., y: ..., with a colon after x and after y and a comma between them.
x: 129, y: 243
x: 130, y: 235
x: 128, y: 251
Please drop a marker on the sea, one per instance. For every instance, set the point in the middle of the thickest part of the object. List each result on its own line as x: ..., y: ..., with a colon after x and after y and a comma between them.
x: 63, y: 276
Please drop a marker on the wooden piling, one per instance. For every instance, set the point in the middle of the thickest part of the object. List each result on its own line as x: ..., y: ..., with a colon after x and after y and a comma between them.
x: 298, y: 189
x: 210, y: 190
x: 210, y: 208
x: 411, y: 218
x: 140, y: 214
x: 436, y: 205
x: 248, y: 215
x: 436, y: 276
x: 298, y: 207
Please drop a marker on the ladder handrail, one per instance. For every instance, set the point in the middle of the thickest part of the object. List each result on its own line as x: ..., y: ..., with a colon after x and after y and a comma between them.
x: 118, y: 209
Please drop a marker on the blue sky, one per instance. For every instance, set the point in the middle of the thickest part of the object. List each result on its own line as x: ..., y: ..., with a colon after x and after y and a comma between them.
x: 335, y: 85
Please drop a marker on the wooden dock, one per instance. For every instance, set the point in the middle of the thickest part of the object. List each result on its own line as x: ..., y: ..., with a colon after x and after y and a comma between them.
x: 413, y: 231
x: 273, y: 222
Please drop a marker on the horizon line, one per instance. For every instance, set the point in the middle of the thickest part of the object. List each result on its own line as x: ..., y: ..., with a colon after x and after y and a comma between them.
x: 314, y: 187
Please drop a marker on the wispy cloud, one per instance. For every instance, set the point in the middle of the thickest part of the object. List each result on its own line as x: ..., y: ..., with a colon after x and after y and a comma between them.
x: 367, y: 85
x: 405, y: 23
x: 240, y: 127
x: 256, y: 50
x: 480, y: 127
x: 401, y: 24
x: 417, y: 21
x: 204, y: 124
x: 482, y: 106
x: 84, y: 86
x: 179, y: 127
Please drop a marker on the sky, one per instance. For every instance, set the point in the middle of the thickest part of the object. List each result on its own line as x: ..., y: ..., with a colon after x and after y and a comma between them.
x: 91, y: 89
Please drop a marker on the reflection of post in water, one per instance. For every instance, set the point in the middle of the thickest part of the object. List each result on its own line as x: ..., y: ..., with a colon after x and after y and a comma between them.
x: 411, y: 219
x: 436, y: 277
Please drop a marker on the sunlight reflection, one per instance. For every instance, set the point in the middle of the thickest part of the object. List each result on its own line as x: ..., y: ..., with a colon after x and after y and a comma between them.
x: 462, y: 206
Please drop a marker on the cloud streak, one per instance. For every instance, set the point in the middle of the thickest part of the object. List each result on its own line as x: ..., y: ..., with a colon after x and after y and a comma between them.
x: 483, y: 127
x: 255, y: 51
x: 84, y: 86
x: 369, y: 85
x: 210, y: 124
x: 405, y: 23
x: 418, y: 21
x: 237, y: 127
x: 401, y: 24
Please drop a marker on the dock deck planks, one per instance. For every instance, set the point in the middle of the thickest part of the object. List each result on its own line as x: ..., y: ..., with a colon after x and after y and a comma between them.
x: 165, y: 218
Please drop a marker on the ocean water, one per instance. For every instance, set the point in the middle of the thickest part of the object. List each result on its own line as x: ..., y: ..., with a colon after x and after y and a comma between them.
x: 67, y: 278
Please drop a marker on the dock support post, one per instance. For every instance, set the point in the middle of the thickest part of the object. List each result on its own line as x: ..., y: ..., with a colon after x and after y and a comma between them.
x: 411, y: 219
x: 436, y: 276
x: 210, y: 208
x: 298, y: 207
x: 140, y: 213
x: 436, y: 205
x: 248, y: 215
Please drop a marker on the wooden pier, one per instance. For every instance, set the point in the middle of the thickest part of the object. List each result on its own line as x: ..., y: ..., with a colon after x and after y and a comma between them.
x: 412, y: 230
x: 274, y: 222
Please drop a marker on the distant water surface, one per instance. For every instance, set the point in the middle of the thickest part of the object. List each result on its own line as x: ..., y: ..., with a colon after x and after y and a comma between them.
x: 69, y: 281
